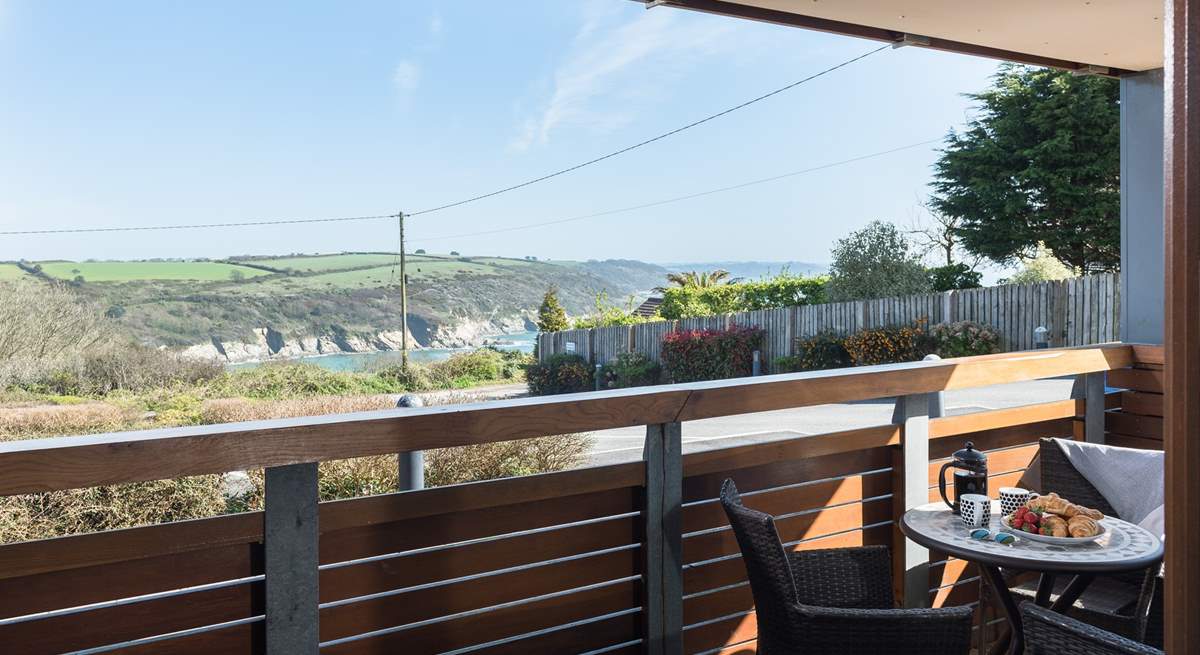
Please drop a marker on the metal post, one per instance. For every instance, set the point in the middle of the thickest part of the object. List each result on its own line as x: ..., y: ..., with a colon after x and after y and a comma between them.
x: 1091, y: 388
x: 910, y: 479
x: 410, y: 466
x: 599, y: 377
x: 290, y: 534
x: 663, y: 541
x: 756, y: 365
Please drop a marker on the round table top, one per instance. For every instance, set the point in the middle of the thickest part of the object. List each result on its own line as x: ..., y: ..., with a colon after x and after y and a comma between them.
x: 1123, y: 547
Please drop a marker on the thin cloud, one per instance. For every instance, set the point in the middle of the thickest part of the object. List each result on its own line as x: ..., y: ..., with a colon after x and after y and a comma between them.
x: 406, y: 76
x: 631, y: 61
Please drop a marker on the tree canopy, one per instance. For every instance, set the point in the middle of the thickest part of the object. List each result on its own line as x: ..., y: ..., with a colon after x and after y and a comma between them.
x: 551, y: 315
x: 875, y: 262
x: 1040, y: 162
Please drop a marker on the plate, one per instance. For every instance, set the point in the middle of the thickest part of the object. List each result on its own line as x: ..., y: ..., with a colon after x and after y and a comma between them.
x: 1058, y: 541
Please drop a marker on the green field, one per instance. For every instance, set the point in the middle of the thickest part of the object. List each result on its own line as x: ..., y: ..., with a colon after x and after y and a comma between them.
x: 138, y: 271
x: 326, y: 262
x: 10, y: 272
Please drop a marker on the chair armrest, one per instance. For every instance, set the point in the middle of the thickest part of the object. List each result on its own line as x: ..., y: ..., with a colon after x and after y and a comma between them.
x: 1051, y: 633
x: 944, y: 631
x: 858, y: 577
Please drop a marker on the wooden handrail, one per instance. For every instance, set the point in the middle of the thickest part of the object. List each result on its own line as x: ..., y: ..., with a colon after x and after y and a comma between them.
x: 85, y: 461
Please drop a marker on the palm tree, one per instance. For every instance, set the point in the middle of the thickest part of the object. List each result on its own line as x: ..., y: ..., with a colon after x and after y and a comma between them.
x: 698, y: 279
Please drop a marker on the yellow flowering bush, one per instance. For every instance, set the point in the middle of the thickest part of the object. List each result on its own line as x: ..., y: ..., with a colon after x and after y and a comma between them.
x: 888, y: 345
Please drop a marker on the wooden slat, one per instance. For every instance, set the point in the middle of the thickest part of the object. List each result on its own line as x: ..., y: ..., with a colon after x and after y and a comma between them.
x: 999, y: 461
x: 445, y: 600
x: 119, y: 623
x: 444, y: 564
x: 792, y: 499
x: 233, y: 639
x: 707, y: 607
x: 590, y: 636
x: 38, y: 465
x: 719, y: 633
x: 1137, y: 379
x: 795, y: 471
x: 51, y: 590
x: 1134, y: 425
x: 1129, y: 441
x: 497, y: 624
x: 1139, y: 402
x: 1002, y: 438
x: 1147, y: 354
x: 725, y: 572
x: 367, y: 540
x: 805, y: 526
x: 961, y: 424
x: 803, y: 447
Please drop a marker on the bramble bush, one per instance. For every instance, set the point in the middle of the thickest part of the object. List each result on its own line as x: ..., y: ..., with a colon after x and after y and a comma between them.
x: 784, y: 290
x: 694, y: 355
x: 561, y: 373
x: 630, y: 370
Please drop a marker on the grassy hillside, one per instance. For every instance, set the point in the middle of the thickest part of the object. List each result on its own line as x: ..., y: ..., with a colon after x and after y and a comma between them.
x: 180, y: 303
x: 140, y: 271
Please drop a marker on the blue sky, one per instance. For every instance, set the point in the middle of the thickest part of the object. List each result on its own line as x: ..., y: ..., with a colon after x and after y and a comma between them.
x: 146, y: 113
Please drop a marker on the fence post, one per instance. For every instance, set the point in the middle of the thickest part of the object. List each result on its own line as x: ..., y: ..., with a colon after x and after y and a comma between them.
x: 410, y: 466
x: 910, y: 488
x: 662, y: 544
x: 290, y: 537
x: 1091, y: 388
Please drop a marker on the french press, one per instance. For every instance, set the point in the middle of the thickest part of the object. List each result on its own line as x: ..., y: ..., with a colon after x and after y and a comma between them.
x: 970, y: 478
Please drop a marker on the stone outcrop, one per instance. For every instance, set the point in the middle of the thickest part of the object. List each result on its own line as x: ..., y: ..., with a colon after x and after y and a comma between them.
x: 270, y: 344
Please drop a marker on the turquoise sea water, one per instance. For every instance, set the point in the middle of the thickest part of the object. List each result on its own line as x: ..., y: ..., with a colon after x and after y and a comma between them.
x: 522, y: 341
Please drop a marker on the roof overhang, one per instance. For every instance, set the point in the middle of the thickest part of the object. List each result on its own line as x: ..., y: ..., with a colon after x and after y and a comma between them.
x: 1097, y: 36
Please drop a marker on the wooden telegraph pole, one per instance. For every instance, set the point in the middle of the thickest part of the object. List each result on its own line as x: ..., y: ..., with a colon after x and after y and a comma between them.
x: 403, y: 298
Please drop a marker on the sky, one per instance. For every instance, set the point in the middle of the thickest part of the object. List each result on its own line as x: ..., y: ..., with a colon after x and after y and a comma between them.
x: 152, y: 113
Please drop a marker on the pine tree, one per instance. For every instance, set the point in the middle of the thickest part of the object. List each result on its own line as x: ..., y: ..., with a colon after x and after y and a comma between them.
x: 551, y: 316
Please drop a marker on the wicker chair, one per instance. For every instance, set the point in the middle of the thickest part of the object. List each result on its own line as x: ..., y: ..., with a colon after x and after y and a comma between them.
x: 1050, y: 633
x: 836, y: 600
x: 1128, y: 604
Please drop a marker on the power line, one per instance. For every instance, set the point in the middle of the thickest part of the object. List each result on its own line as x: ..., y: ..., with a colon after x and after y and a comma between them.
x: 680, y: 198
x: 196, y: 226
x: 464, y: 201
x: 652, y: 139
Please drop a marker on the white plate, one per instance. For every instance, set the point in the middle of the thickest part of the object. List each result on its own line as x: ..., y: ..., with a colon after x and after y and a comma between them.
x: 1060, y: 541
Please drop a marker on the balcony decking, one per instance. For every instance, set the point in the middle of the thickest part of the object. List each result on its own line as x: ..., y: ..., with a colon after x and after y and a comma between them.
x: 624, y: 558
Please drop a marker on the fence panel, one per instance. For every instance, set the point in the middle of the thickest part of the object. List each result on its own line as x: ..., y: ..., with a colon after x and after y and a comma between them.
x: 1075, y: 312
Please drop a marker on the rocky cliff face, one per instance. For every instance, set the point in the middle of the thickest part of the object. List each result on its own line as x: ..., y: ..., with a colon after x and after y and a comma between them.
x: 270, y: 344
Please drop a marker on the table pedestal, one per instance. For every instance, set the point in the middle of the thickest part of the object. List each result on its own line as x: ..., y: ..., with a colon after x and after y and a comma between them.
x: 1015, y: 641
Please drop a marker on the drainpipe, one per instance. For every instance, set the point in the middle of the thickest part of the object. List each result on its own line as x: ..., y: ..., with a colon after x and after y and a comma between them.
x: 410, y: 465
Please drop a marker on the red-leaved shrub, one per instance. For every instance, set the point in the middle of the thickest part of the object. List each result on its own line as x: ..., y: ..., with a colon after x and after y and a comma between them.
x: 694, y: 355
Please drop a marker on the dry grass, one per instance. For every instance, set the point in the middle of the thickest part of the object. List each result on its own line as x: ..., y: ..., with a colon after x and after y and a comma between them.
x: 54, y: 420
x: 41, y: 516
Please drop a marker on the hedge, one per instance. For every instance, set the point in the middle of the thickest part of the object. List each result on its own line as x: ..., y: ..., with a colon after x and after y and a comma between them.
x: 891, y: 345
x: 561, y: 373
x: 780, y: 291
x: 695, y: 355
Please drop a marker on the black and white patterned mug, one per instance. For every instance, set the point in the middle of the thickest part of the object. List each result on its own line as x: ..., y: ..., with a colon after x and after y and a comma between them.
x: 975, y: 510
x: 1013, y: 497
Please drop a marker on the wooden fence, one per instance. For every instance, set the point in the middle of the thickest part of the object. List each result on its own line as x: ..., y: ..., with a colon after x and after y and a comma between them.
x: 623, y: 558
x: 1076, y: 312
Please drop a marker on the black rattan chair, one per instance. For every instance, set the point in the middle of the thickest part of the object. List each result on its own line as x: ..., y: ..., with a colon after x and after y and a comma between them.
x: 1050, y: 633
x: 1129, y: 604
x: 836, y: 600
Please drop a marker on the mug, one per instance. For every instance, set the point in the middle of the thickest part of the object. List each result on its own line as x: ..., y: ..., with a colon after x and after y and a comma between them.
x: 975, y: 510
x: 1013, y: 497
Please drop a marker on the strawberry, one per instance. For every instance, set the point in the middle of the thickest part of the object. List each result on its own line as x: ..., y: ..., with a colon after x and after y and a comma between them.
x: 1029, y: 528
x: 1017, y: 523
x: 1033, y: 518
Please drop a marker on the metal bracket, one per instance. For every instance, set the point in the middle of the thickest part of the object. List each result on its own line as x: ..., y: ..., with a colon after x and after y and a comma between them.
x: 911, y: 39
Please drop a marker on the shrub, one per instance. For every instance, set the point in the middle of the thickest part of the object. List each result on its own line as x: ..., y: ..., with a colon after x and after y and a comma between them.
x: 963, y: 339
x: 817, y: 353
x: 561, y: 373
x: 608, y: 314
x: 954, y: 276
x: 784, y: 290
x: 888, y: 345
x: 695, y: 355
x: 630, y: 370
x: 875, y: 262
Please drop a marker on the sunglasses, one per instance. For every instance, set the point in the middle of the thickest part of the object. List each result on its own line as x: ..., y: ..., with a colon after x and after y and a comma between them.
x: 983, y: 534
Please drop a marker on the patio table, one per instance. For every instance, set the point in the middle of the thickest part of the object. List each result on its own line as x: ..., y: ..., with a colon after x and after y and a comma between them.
x: 1124, y: 547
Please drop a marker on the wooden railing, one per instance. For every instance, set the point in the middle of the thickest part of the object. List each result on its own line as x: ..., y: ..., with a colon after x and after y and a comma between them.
x: 631, y: 557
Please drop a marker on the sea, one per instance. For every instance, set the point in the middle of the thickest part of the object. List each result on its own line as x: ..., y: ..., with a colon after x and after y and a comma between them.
x: 522, y: 341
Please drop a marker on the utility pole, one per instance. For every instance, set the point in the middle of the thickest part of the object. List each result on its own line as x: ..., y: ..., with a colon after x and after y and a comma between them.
x: 403, y: 298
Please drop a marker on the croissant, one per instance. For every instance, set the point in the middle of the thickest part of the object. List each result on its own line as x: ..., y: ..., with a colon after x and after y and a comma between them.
x: 1083, y: 526
x: 1051, y: 503
x: 1072, y: 510
x: 1056, y: 524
